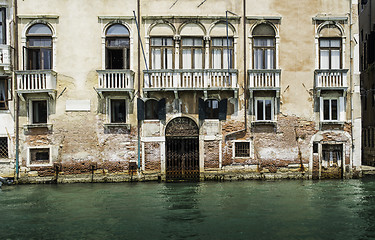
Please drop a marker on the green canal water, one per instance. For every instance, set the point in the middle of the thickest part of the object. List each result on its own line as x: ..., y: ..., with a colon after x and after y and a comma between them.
x: 341, y: 209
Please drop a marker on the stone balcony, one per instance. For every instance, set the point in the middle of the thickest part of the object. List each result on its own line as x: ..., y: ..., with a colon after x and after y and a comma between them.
x: 190, y: 79
x: 36, y: 81
x: 264, y: 79
x: 119, y: 80
x: 331, y: 79
x: 5, y: 57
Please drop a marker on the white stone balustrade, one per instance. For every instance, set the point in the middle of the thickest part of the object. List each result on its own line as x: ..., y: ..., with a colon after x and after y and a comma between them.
x: 116, y: 79
x: 36, y: 80
x: 264, y: 78
x: 331, y: 78
x: 190, y: 79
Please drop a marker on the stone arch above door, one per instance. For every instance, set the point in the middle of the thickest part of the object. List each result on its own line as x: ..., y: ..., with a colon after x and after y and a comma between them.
x: 182, y: 127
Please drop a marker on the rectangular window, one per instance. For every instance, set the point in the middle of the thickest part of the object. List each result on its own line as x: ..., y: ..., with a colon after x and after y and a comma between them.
x: 330, y: 53
x: 264, y: 53
x: 4, y: 147
x: 192, y: 53
x: 221, y: 53
x: 3, y: 94
x: 264, y: 109
x: 332, y: 155
x: 39, y: 53
x: 118, y: 110
x: 39, y: 111
x: 39, y: 156
x: 330, y: 110
x: 117, y: 53
x: 242, y: 149
x: 162, y: 51
x: 2, y: 26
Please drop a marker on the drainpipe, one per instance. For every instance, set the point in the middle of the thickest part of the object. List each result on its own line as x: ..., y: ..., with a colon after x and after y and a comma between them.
x: 351, y: 81
x: 139, y: 84
x: 16, y: 100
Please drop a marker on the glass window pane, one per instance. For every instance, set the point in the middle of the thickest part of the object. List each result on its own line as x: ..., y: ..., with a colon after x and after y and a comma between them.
x: 335, y: 43
x: 118, y: 42
x: 335, y: 59
x: 216, y: 59
x: 324, y: 42
x: 270, y: 42
x: 324, y: 59
x: 268, y: 109
x: 156, y: 58
x: 151, y: 107
x: 169, y: 59
x: 47, y: 58
x: 269, y: 59
x: 334, y: 112
x: 258, y: 59
x: 187, y: 42
x: 156, y: 41
x: 228, y: 61
x: 259, y: 112
x: 118, y: 111
x: 326, y: 109
x: 198, y: 59
x: 117, y: 29
x: 198, y: 42
x: 39, y: 28
x: 217, y: 42
x: 186, y: 59
x: 168, y: 42
x: 40, y: 42
x: 39, y: 111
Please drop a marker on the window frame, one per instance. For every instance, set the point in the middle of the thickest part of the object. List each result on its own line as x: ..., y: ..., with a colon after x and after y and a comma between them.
x: 162, y: 49
x: 6, y: 100
x: 234, y: 143
x: 125, y: 49
x: 109, y: 110
x: 155, y: 109
x: 328, y: 162
x: 211, y: 113
x: 31, y: 110
x: 38, y: 49
x: 7, y: 147
x: 264, y: 48
x: 330, y: 51
x: 3, y: 25
x: 29, y: 160
x: 192, y: 48
x: 322, y: 109
x: 271, y: 99
x: 222, y: 48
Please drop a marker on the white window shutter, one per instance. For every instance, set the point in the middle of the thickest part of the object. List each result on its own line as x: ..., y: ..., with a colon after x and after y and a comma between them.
x: 342, y: 109
x: 321, y: 109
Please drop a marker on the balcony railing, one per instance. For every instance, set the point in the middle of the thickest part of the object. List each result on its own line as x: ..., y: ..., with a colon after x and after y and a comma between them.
x: 187, y: 79
x: 116, y: 79
x: 36, y: 80
x: 331, y: 78
x: 5, y: 57
x: 264, y: 78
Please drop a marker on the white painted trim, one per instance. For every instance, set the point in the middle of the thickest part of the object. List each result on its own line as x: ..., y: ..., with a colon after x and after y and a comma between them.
x: 28, y: 164
x: 153, y: 139
x: 234, y: 149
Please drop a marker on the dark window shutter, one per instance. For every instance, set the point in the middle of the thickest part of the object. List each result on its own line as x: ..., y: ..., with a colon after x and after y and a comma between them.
x: 140, y: 109
x: 201, y: 109
x: 162, y: 110
x: 223, y: 109
x: 25, y: 59
x: 317, y: 104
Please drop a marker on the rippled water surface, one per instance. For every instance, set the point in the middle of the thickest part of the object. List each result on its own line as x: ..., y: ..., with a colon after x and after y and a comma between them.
x: 206, y: 210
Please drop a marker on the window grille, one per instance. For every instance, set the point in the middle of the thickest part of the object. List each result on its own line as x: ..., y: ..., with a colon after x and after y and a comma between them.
x: 3, y: 147
x: 242, y: 149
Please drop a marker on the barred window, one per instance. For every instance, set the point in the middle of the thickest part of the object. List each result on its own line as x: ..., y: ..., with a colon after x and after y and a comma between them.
x: 242, y: 149
x: 3, y: 147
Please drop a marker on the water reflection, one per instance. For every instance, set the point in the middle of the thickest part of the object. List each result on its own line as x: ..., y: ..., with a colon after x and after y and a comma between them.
x: 230, y: 210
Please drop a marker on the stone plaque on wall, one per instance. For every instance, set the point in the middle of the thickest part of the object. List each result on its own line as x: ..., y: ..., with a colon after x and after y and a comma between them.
x: 77, y: 106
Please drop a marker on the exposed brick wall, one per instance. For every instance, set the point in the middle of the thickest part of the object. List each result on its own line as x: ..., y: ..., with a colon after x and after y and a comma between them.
x: 152, y: 156
x: 211, y: 154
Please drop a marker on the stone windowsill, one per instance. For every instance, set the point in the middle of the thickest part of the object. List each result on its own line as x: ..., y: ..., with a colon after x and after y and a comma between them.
x: 117, y: 125
x: 264, y: 123
x: 332, y: 122
x: 38, y: 125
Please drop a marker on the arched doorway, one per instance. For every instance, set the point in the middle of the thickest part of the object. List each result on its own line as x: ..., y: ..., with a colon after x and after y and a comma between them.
x: 182, y: 150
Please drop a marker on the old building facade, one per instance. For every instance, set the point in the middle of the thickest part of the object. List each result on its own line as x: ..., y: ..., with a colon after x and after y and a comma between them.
x: 367, y: 56
x: 186, y: 89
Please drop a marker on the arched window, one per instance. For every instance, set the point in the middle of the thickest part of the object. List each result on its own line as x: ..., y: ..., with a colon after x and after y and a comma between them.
x: 151, y: 109
x: 117, y: 45
x: 264, y: 51
x: 39, y: 47
x: 330, y: 47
